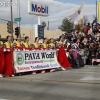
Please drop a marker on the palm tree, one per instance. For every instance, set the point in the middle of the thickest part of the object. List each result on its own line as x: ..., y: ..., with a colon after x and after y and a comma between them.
x: 44, y: 24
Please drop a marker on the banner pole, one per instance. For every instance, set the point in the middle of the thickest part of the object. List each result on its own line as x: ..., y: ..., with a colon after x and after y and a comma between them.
x: 96, y: 12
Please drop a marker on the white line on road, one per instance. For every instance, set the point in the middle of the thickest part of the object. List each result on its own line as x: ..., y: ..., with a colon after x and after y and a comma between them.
x: 84, y: 72
x: 94, y: 67
x: 3, y: 99
x: 89, y: 78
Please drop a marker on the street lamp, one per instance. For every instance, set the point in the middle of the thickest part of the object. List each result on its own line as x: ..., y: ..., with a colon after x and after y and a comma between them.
x: 4, y: 19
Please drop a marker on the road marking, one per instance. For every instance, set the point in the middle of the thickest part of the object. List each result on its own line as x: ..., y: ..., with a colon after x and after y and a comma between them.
x: 94, y: 67
x: 89, y: 78
x: 88, y: 72
x: 3, y: 99
x: 58, y: 81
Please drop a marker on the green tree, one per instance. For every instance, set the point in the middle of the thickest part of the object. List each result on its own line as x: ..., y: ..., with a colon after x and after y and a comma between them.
x: 67, y: 25
x: 44, y: 24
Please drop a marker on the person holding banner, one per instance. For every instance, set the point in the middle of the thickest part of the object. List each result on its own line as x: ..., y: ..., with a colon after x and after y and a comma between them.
x: 26, y: 46
x: 36, y: 47
x: 62, y: 58
x: 18, y: 45
x: 51, y: 44
x: 45, y: 45
x: 51, y: 47
x: 36, y: 44
x: 9, y: 71
x: 2, y: 60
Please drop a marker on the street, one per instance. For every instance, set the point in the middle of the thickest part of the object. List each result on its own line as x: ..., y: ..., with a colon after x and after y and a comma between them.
x: 72, y: 84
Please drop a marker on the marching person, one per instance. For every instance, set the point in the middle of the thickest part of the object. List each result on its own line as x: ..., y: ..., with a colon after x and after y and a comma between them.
x: 18, y: 44
x: 9, y: 71
x: 51, y: 47
x: 26, y: 46
x: 36, y: 47
x: 32, y: 47
x: 36, y: 44
x: 51, y: 44
x: 77, y: 61
x: 62, y: 58
x: 45, y: 47
x: 2, y: 60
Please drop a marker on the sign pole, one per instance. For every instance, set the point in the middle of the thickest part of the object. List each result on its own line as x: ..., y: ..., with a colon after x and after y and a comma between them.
x: 11, y: 20
x: 96, y: 11
x: 18, y: 13
x: 39, y: 21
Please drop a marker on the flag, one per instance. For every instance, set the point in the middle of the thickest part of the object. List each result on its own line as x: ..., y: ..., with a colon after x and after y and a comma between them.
x: 98, y: 11
x: 78, y: 14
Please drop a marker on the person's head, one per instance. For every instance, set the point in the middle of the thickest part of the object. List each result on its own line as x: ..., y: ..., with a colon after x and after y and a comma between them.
x: 51, y: 40
x: 32, y: 46
x: 37, y: 39
x: 97, y: 53
x: 78, y: 40
x: 19, y: 38
x: 99, y: 46
x: 45, y: 40
x: 26, y: 39
x: 75, y: 40
x: 8, y: 38
x: 61, y: 38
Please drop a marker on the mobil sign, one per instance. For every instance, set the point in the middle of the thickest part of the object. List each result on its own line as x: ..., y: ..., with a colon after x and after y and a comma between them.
x: 38, y: 9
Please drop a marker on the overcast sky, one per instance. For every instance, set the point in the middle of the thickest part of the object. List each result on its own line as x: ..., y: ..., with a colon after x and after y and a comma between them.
x: 59, y: 9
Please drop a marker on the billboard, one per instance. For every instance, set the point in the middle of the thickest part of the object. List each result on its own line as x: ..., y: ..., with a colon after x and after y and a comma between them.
x: 39, y: 31
x: 38, y: 9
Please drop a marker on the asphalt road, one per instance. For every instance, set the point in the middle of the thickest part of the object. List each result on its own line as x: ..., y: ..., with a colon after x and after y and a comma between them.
x: 72, y: 84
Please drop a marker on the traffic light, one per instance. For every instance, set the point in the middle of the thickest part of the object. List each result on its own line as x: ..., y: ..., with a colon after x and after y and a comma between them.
x: 9, y: 27
x: 17, y: 31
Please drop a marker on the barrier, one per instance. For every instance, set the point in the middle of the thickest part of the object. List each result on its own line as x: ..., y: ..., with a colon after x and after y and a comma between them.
x: 35, y: 60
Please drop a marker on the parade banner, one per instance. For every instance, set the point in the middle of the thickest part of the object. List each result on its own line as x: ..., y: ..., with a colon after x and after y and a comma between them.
x: 35, y: 60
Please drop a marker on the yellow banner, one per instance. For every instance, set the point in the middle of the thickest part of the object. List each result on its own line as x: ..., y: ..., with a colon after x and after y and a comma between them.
x: 98, y: 11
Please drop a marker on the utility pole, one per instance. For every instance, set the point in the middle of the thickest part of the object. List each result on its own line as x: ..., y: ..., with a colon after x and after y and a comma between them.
x: 11, y: 20
x: 48, y: 26
x: 18, y: 13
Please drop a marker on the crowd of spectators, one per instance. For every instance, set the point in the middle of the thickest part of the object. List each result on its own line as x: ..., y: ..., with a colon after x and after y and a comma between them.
x: 89, y: 42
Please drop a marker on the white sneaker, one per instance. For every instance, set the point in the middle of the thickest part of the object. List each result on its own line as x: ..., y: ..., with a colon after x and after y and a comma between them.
x: 52, y: 70
x: 63, y: 68
x: 43, y: 72
x: 34, y: 73
x: 20, y: 74
x: 12, y: 75
x: 1, y: 76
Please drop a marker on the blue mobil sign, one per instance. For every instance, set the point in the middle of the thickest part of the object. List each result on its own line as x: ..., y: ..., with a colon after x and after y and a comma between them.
x: 38, y: 9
